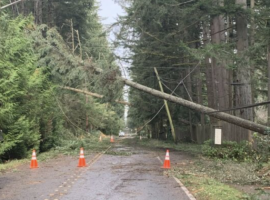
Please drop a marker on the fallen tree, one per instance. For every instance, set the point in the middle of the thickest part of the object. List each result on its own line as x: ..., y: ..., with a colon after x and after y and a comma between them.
x: 93, y: 94
x: 200, y: 108
x: 197, y: 107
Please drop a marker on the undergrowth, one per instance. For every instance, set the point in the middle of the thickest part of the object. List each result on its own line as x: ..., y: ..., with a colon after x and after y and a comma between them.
x: 67, y: 145
x: 205, y: 188
x: 216, y: 175
x: 258, y: 151
x: 228, y: 150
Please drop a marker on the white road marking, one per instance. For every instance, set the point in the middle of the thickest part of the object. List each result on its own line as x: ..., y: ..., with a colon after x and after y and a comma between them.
x: 72, y: 178
x: 190, y: 196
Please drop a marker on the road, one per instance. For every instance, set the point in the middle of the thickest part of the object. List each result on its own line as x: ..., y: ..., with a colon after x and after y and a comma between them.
x: 124, y: 172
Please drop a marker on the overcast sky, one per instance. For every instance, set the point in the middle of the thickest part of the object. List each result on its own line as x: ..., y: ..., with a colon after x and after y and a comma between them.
x: 109, y: 11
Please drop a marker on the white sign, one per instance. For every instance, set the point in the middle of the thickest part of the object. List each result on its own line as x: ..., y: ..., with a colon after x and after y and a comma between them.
x: 218, y: 135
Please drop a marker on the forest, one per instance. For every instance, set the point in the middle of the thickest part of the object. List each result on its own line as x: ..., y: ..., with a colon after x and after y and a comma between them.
x: 213, y: 53
x: 45, y: 47
x: 177, y: 74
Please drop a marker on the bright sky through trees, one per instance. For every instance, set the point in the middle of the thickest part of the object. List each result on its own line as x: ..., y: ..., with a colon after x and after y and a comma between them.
x: 108, y: 12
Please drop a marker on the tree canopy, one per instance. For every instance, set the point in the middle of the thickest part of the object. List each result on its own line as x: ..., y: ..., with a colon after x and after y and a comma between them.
x: 45, y: 46
x: 212, y: 52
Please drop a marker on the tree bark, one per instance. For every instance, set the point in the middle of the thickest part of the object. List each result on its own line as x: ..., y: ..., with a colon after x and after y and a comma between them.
x: 252, y: 41
x: 219, y: 73
x: 250, y: 125
x: 38, y: 11
x: 199, y: 86
x: 10, y: 4
x: 243, y: 90
x: 84, y: 92
x: 189, y: 94
x: 50, y: 12
x: 208, y: 70
x: 268, y: 61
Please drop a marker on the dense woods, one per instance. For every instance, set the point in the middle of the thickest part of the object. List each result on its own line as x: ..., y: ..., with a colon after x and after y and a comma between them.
x: 175, y: 72
x: 212, y: 52
x: 45, y: 46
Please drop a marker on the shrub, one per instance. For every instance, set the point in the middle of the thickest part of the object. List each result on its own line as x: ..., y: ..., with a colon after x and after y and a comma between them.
x: 228, y: 150
x: 261, y: 148
x: 258, y: 152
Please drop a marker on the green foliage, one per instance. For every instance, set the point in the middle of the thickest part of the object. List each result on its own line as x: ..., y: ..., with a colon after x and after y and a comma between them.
x: 228, y: 150
x: 36, y: 59
x: 261, y: 148
x: 209, y: 188
x: 155, y: 33
x: 165, y: 35
x: 22, y: 135
x: 243, y: 151
x: 16, y: 67
x: 65, y: 68
x: 28, y: 114
x: 70, y: 145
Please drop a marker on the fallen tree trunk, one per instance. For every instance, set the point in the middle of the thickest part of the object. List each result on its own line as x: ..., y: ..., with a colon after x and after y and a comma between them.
x: 123, y: 102
x: 93, y: 94
x: 200, y: 108
x: 84, y: 92
x: 203, y: 109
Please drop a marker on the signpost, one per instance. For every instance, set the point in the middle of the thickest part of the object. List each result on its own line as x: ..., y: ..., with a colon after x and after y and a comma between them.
x: 218, y: 136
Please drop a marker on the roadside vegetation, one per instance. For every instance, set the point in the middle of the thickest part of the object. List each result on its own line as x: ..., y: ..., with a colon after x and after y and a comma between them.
x: 210, y: 175
x: 198, y: 49
x: 67, y: 145
x: 213, y: 53
x: 39, y: 56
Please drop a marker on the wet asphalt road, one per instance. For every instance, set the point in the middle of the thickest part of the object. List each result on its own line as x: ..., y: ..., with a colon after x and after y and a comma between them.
x: 125, y: 172
x: 138, y: 177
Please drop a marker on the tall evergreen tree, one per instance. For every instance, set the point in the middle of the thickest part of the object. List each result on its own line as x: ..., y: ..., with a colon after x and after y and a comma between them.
x: 165, y: 35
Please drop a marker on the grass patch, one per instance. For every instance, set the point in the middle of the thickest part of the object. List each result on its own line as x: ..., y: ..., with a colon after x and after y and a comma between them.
x: 69, y: 147
x: 205, y: 188
x: 226, y: 171
x: 216, y: 179
x: 11, y: 165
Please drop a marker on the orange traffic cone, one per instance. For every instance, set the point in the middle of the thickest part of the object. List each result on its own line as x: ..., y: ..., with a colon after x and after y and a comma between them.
x: 81, y: 160
x: 167, y: 164
x: 34, y: 163
x: 112, y: 140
